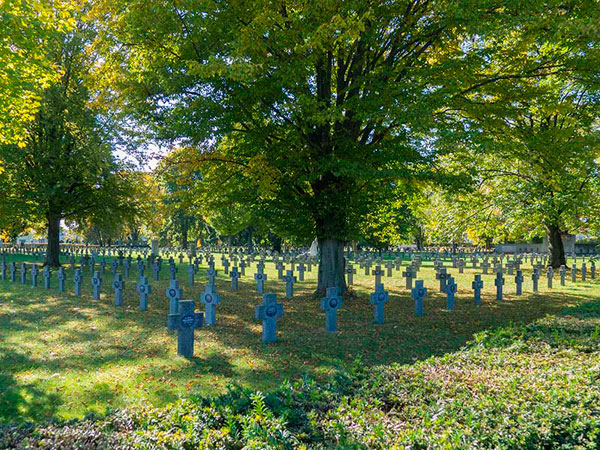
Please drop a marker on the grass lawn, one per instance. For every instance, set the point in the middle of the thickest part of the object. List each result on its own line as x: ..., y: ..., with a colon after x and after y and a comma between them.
x: 62, y: 356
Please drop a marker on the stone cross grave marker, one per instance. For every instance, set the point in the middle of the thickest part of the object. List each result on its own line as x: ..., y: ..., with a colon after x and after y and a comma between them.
x: 34, y: 275
x: 499, y: 283
x: 140, y: 268
x: 451, y: 289
x: 126, y: 267
x: 280, y: 268
x: 185, y: 321
x: 174, y: 294
x: 550, y: 276
x: 191, y: 271
x: 389, y: 267
x: 519, y: 282
x: 418, y: 294
x: 378, y: 273
x: 118, y: 285
x: 260, y: 279
x: 61, y: 279
x: 350, y: 272
x: 409, y: 274
x: 235, y: 276
x: 583, y: 271
x: 77, y: 280
x: 211, y: 299
x: 301, y: 270
x: 3, y: 270
x: 211, y: 273
x: 379, y: 298
x: 114, y: 265
x: 330, y: 304
x: 47, y: 274
x: 225, y: 264
x: 563, y: 274
x: 442, y: 276
x: 574, y: 273
x: 485, y: 265
x: 172, y: 271
x: 510, y: 267
x: 368, y: 265
x: 477, y: 286
x: 156, y: 269
x: 23, y: 273
x: 289, y: 279
x: 535, y: 276
x: 269, y: 312
x: 144, y: 289
x: 13, y: 271
x: 96, y: 284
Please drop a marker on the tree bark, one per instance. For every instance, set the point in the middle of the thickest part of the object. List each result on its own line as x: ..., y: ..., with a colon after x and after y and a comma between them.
x: 154, y: 247
x: 331, y: 265
x: 53, y: 248
x: 184, y: 236
x: 229, y: 244
x: 555, y: 247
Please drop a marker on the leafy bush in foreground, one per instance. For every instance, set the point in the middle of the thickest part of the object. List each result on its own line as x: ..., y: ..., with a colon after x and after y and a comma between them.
x: 521, y: 387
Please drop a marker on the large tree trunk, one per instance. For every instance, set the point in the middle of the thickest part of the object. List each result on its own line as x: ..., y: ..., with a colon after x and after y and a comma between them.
x: 331, y: 265
x: 555, y: 247
x: 419, y: 239
x: 53, y: 249
x: 154, y: 247
x: 229, y: 238
x: 184, y: 236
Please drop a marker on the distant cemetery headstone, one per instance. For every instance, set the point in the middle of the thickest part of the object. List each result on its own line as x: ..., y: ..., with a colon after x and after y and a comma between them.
x: 77, y: 280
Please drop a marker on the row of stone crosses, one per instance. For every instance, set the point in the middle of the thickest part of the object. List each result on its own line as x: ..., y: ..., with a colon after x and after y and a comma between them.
x: 182, y: 315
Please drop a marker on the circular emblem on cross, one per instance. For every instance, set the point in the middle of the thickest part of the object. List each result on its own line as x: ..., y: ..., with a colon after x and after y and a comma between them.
x: 172, y: 292
x: 333, y: 303
x: 381, y: 297
x: 271, y: 311
x: 208, y: 298
x: 188, y: 321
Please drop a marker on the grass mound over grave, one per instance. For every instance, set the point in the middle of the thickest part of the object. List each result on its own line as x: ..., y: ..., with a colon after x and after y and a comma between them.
x: 534, y: 385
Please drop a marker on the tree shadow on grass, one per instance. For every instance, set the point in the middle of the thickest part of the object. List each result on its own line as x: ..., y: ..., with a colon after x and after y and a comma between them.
x: 25, y: 400
x: 232, y: 350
